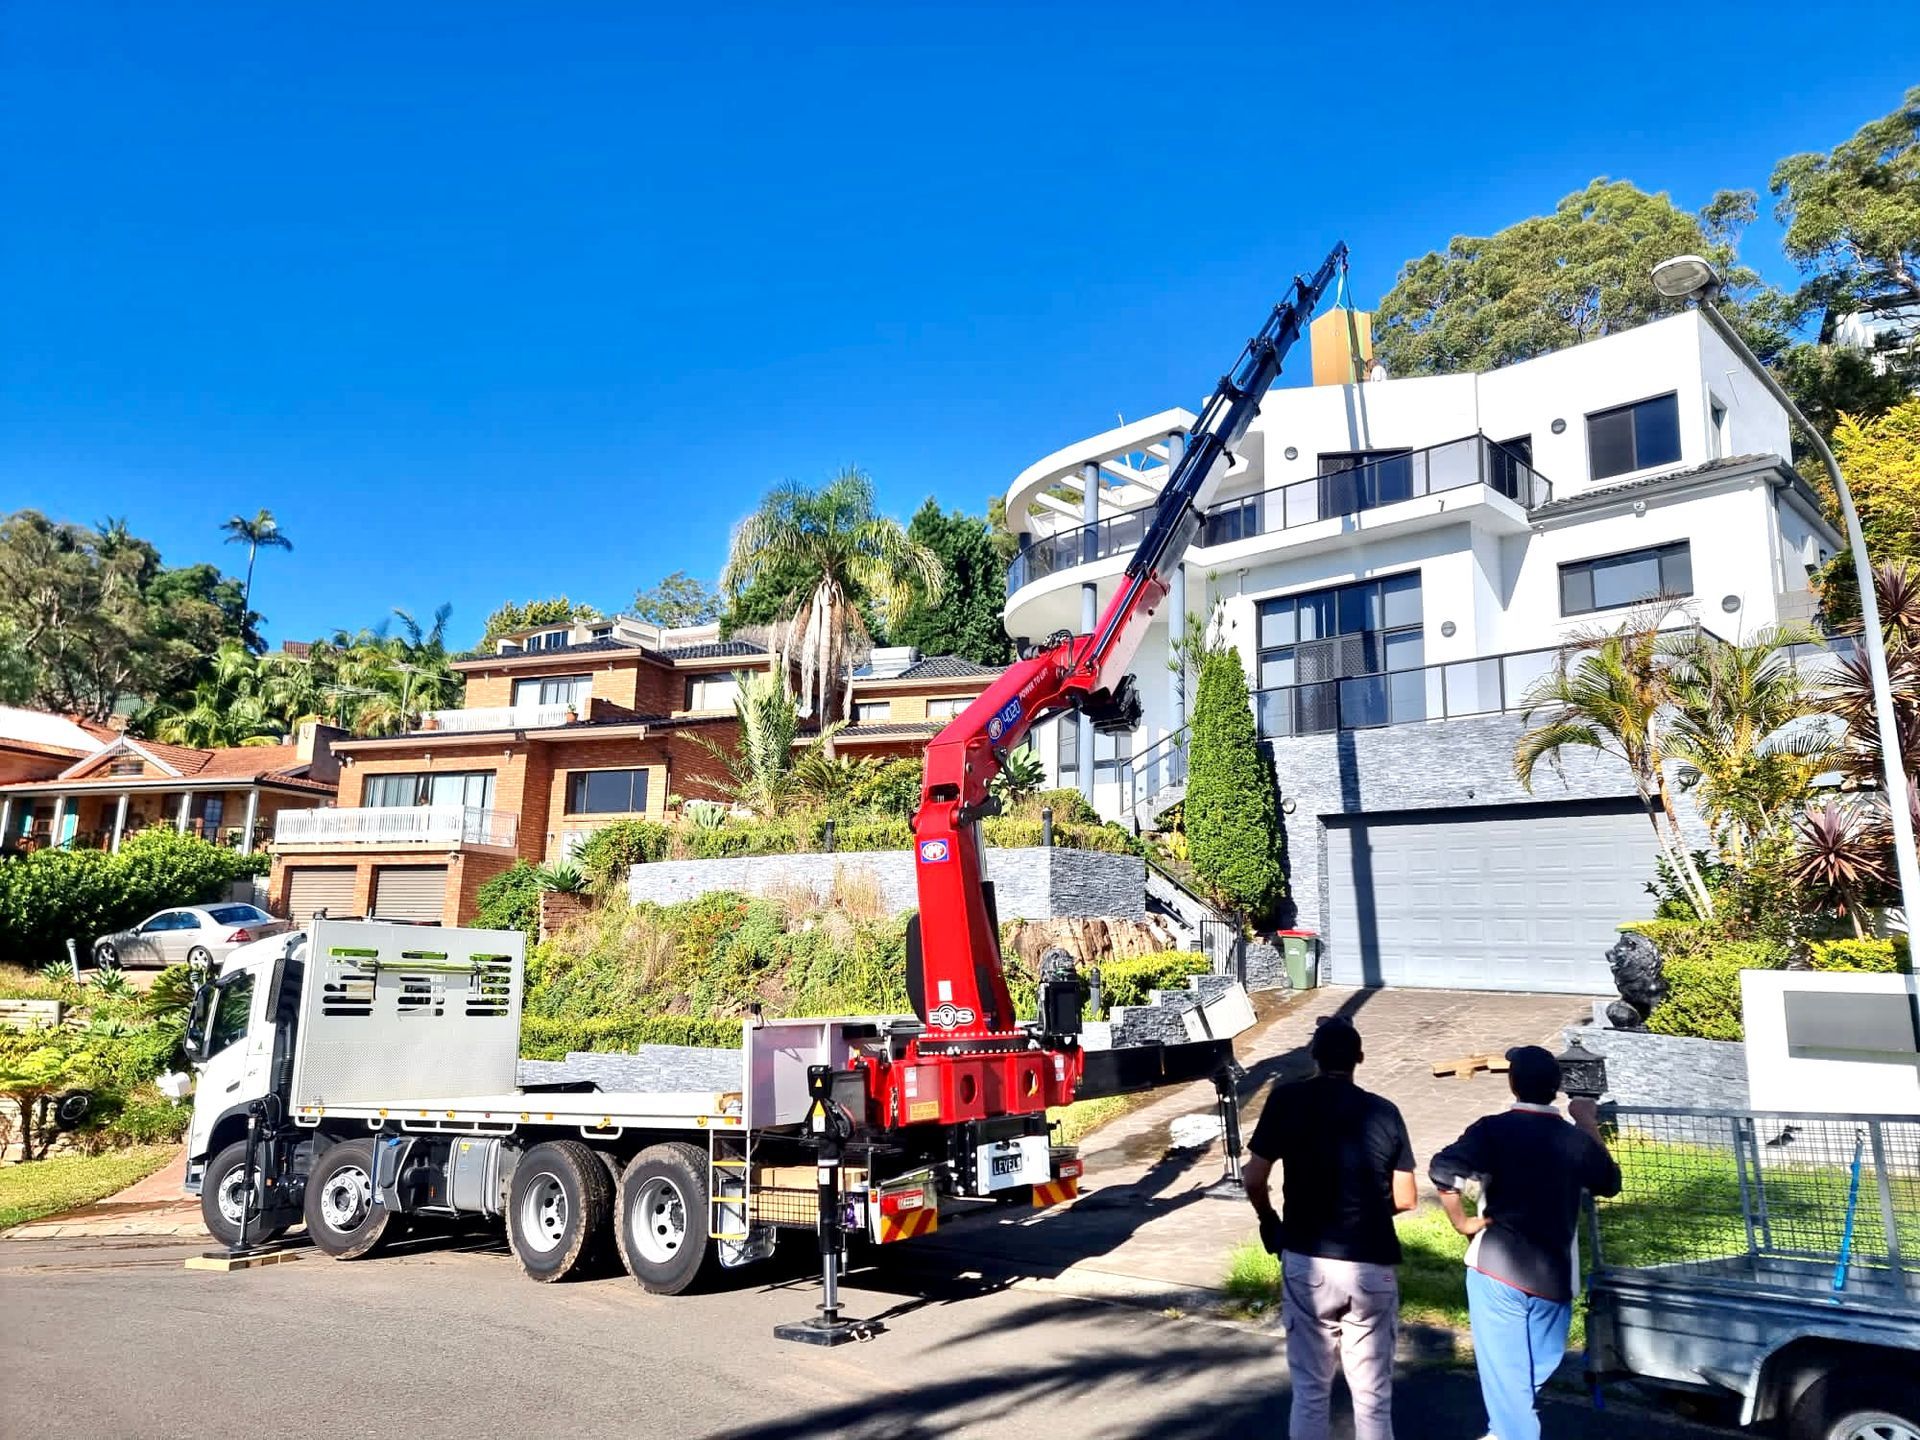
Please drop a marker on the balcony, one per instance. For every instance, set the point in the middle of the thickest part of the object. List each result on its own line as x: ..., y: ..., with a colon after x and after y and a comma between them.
x: 1455, y: 465
x: 422, y: 825
x: 496, y: 717
x: 1451, y: 690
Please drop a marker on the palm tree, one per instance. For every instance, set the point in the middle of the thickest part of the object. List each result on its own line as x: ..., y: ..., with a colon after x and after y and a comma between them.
x: 843, y: 551
x: 1609, y: 691
x: 1740, y: 718
x: 260, y: 533
x: 230, y: 707
x: 762, y: 772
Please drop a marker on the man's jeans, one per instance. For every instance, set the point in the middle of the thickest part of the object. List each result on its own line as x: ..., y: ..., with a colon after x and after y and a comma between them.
x: 1339, y: 1311
x: 1518, y: 1342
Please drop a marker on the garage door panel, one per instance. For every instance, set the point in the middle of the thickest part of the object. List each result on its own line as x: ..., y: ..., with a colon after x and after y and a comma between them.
x: 312, y: 888
x: 1524, y: 899
x: 410, y: 892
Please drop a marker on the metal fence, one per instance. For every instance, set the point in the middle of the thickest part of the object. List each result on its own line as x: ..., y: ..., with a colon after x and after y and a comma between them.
x: 1800, y: 1204
x: 1225, y: 944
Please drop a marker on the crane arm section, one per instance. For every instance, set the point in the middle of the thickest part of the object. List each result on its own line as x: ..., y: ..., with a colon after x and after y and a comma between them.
x: 956, y: 979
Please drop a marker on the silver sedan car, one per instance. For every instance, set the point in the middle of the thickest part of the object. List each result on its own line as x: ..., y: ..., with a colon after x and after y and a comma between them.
x: 200, y: 935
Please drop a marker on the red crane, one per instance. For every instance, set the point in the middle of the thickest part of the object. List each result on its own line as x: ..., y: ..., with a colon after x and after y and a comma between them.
x: 974, y: 1059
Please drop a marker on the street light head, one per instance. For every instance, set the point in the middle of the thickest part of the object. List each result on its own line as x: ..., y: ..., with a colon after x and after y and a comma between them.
x: 1685, y: 277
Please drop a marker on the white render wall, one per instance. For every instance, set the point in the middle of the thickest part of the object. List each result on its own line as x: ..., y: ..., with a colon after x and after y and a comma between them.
x: 1486, y: 565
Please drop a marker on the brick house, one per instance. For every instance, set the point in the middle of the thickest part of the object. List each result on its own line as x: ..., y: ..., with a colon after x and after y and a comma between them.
x: 565, y: 728
x: 232, y: 795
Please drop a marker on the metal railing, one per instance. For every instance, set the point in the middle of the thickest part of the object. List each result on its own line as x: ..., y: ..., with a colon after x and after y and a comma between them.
x: 1472, y: 460
x: 496, y: 717
x: 1449, y: 690
x: 1820, y: 1204
x: 1153, y: 771
x: 398, y: 825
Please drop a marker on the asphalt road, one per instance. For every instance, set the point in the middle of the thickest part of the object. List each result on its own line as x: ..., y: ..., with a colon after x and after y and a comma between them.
x: 118, y: 1339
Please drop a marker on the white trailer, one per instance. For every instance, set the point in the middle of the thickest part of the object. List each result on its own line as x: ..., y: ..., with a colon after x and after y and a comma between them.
x: 372, y: 1070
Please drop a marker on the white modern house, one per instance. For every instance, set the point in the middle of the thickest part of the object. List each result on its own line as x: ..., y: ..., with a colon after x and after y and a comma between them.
x: 1397, y: 561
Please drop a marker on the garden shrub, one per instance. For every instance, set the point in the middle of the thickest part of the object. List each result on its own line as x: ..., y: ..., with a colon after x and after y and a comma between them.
x: 607, y: 854
x: 1069, y: 807
x: 1128, y: 982
x: 1703, y: 988
x: 1233, y: 807
x: 53, y: 895
x: 893, y: 789
x: 1876, y: 956
x: 873, y: 834
x: 510, y: 900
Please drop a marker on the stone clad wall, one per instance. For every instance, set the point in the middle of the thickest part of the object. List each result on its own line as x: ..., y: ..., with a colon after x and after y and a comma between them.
x: 1648, y: 1069
x: 1030, y: 883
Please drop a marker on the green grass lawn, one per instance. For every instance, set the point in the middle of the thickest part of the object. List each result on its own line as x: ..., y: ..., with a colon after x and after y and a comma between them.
x: 66, y: 1182
x: 1433, y: 1277
x: 1083, y: 1117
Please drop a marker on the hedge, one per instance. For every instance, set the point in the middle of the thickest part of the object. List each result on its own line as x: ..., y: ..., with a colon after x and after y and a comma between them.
x: 1892, y: 956
x: 1703, y: 988
x: 1232, y: 805
x: 51, y: 896
x: 549, y: 1039
x: 510, y: 901
x: 1128, y: 982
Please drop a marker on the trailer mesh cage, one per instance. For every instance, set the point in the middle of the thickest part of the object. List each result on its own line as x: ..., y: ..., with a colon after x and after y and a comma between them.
x: 789, y: 1205
x: 1829, y: 1203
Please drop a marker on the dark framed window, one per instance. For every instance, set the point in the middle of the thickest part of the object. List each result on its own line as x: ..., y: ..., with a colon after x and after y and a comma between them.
x: 1610, y: 581
x: 1344, y: 657
x: 1355, y: 480
x: 1069, y: 751
x: 1231, y: 520
x: 606, y: 792
x: 1633, y: 437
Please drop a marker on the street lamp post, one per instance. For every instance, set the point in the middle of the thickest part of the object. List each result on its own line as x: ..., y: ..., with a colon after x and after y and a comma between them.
x: 1689, y: 277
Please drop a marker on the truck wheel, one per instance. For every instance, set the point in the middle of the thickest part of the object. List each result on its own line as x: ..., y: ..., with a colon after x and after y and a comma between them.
x: 221, y: 1192
x: 558, y: 1210
x: 1858, y: 1407
x: 341, y: 1216
x: 663, y: 1211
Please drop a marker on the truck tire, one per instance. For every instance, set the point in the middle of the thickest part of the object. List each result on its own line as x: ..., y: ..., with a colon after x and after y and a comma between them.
x: 220, y: 1192
x: 558, y: 1210
x: 342, y: 1218
x: 661, y: 1221
x: 1850, y: 1405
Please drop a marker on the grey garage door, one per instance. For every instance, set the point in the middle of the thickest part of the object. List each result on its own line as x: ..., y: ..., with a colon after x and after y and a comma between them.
x: 410, y: 892
x: 311, y: 888
x: 1522, y: 898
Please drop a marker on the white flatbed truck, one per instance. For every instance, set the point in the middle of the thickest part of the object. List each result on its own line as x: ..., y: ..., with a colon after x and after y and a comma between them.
x: 372, y: 1071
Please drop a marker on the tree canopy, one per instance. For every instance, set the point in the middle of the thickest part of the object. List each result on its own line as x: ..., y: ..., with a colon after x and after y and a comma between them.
x: 678, y: 599
x: 1550, y: 281
x: 90, y: 619
x: 1233, y: 804
x: 967, y: 622
x: 1881, y: 459
x: 512, y: 616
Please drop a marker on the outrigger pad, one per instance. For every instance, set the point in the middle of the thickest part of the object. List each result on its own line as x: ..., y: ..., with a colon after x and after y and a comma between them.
x: 821, y: 1331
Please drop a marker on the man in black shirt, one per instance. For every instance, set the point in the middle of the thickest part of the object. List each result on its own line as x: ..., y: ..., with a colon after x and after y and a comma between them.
x: 1346, y: 1169
x: 1521, y: 1261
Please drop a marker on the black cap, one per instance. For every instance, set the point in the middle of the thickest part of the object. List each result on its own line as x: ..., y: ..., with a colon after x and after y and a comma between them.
x: 1533, y: 1073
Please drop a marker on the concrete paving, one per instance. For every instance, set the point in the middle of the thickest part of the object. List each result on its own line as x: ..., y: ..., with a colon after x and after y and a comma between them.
x: 1146, y: 1226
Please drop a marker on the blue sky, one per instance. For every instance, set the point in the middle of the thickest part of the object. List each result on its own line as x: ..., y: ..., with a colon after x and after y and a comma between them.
x: 491, y: 302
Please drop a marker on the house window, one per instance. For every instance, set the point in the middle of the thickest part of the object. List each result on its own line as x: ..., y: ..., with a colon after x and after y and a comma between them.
x: 873, y: 710
x: 1510, y: 468
x: 1633, y: 437
x: 946, y: 709
x: 1231, y: 520
x: 1355, y: 480
x: 470, y: 788
x: 712, y: 692
x: 571, y: 690
x: 1069, y: 752
x: 1720, y: 437
x: 1347, y: 657
x: 1110, y: 752
x: 606, y: 792
x: 126, y: 767
x: 601, y: 632
x: 1615, y: 580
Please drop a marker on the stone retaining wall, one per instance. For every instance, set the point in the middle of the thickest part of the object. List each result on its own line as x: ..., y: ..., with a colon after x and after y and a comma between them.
x: 1648, y: 1069
x: 1030, y: 883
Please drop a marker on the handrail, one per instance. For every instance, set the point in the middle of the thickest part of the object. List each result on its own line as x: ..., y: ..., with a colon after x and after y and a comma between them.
x: 1432, y: 470
x: 1147, y: 762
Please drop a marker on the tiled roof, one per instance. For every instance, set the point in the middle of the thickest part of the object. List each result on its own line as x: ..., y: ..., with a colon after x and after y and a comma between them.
x: 1581, y: 498
x: 890, y: 730
x: 946, y: 667
x: 242, y: 764
x: 711, y: 650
